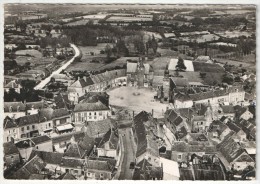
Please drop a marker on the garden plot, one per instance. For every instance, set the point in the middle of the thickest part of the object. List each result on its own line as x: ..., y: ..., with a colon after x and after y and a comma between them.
x: 187, y: 63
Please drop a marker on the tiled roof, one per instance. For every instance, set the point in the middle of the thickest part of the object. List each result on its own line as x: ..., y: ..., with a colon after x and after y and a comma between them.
x: 228, y: 109
x: 144, y: 141
x: 10, y: 148
x: 38, y: 177
x: 87, y: 143
x: 93, y: 97
x: 178, y: 81
x: 27, y: 120
x: 101, y: 164
x: 72, y: 162
x: 245, y: 158
x: 98, y: 127
x: 98, y: 106
x: 48, y: 157
x: 74, y: 151
x: 62, y: 101
x: 112, y: 137
x: 67, y: 137
x: 35, y: 105
x: 81, y: 83
x: 40, y: 139
x: 185, y: 147
x: 217, y: 126
x: 57, y: 113
x: 132, y: 68
x: 240, y: 110
x: 182, y: 97
x: 45, y: 114
x: 9, y: 123
x: 35, y: 165
x: 181, y: 133
x: 233, y: 126
x: 230, y: 149
x: 16, y: 106
x: 66, y: 176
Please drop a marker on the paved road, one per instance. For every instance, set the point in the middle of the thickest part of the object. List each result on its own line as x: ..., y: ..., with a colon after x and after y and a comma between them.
x: 128, y: 154
x: 47, y: 80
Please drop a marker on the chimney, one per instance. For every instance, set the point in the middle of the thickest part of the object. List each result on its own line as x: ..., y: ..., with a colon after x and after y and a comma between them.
x: 152, y: 112
x: 85, y: 78
x: 78, y: 78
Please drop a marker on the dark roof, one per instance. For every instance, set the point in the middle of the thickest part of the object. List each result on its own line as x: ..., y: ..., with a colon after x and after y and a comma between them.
x: 230, y: 149
x: 182, y: 97
x: 239, y: 110
x: 62, y: 101
x: 233, y: 126
x: 112, y: 137
x: 45, y: 114
x: 35, y: 105
x: 35, y: 165
x: 47, y: 157
x: 66, y: 176
x: 16, y: 106
x: 181, y: 133
x: 10, y: 148
x: 185, y: 147
x: 217, y: 126
x: 38, y: 177
x: 101, y: 164
x: 67, y: 137
x: 95, y: 106
x: 40, y: 139
x: 28, y: 120
x: 228, y: 109
x: 72, y: 162
x: 178, y: 121
x: 94, y: 97
x: 74, y: 151
x: 57, y: 113
x: 98, y: 127
x: 9, y: 123
x: 87, y: 143
x: 178, y: 81
x: 223, y: 118
x: 24, y: 143
x: 81, y: 83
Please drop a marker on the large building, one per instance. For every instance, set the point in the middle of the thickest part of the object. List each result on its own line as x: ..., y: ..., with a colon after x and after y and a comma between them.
x: 139, y: 74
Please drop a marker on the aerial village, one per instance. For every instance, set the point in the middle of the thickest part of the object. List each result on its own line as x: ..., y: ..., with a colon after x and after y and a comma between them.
x: 115, y: 92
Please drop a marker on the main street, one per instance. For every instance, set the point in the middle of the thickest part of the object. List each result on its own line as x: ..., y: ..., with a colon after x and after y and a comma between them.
x: 128, y: 154
x: 47, y: 80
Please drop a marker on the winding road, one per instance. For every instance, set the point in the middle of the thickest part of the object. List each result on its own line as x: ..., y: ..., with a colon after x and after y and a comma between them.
x: 47, y: 80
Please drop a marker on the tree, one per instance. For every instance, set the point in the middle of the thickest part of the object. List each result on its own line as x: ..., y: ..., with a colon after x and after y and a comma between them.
x: 227, y: 79
x: 154, y: 44
x: 108, y: 51
x: 180, y: 65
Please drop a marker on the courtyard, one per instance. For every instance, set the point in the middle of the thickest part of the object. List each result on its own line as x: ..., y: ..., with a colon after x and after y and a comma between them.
x: 137, y: 100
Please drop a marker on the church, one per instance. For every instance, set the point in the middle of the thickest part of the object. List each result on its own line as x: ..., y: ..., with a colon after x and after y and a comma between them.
x: 139, y: 74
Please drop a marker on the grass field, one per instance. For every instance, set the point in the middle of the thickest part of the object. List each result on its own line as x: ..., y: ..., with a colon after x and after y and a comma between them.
x: 32, y: 52
x: 207, y: 67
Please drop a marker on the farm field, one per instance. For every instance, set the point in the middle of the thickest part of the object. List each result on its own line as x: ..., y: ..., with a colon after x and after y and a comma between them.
x: 232, y: 34
x: 80, y: 22
x: 94, y: 16
x: 127, y: 19
x: 32, y: 52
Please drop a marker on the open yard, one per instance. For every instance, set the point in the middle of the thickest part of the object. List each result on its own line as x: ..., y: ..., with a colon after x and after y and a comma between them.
x: 136, y: 100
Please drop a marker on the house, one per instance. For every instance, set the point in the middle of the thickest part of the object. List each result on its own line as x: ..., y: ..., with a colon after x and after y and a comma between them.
x: 233, y: 155
x: 242, y: 113
x: 100, y: 169
x: 109, y: 146
x: 228, y: 111
x: 52, y: 160
x: 10, y: 130
x: 11, y: 154
x: 170, y: 169
x: 147, y: 147
x: 28, y: 126
x: 79, y: 88
x: 34, y: 166
x: 42, y: 143
x: 179, y: 82
x: 218, y: 130
x: 74, y: 166
x: 61, y: 142
x: 91, y: 109
x: 62, y: 101
x: 139, y: 74
x: 26, y: 146
x: 240, y: 135
x: 146, y: 171
x: 61, y: 78
x: 34, y: 107
x: 233, y: 95
x: 14, y: 84
x: 14, y: 109
x: 182, y: 151
x: 248, y: 127
x: 66, y: 176
x: 98, y: 129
